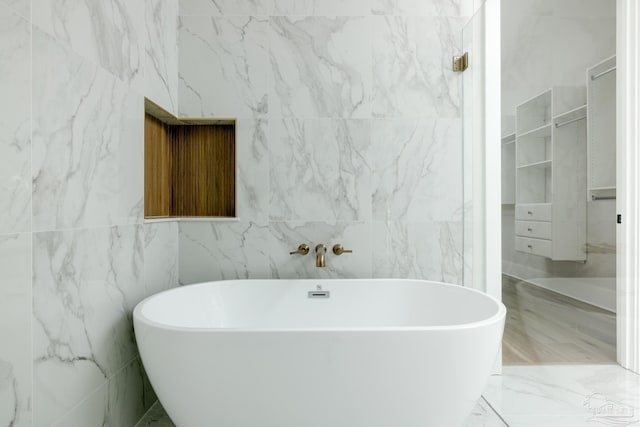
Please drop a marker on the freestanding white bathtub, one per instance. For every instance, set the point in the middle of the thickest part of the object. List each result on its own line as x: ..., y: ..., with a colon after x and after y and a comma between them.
x: 319, y: 353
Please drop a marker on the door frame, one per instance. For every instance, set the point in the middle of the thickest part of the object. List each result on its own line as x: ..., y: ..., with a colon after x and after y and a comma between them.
x: 628, y: 183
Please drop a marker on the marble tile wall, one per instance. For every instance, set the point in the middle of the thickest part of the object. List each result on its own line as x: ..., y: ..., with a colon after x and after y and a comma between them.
x: 349, y: 131
x: 75, y: 253
x: 161, y: 53
x: 15, y: 124
x: 15, y: 330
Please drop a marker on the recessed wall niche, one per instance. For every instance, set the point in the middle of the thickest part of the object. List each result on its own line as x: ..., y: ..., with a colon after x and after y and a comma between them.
x: 189, y: 166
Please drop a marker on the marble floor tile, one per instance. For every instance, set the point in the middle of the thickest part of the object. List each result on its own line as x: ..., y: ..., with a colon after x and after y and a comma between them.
x: 156, y: 417
x: 482, y: 416
x: 550, y: 396
x: 565, y: 395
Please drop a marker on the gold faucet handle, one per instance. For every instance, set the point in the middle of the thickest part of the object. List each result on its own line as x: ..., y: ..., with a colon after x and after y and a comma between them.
x: 338, y: 249
x: 303, y: 249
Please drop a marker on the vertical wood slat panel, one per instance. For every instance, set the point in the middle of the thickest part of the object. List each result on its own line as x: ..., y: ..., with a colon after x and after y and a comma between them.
x: 204, y: 171
x: 157, y: 168
x: 189, y: 169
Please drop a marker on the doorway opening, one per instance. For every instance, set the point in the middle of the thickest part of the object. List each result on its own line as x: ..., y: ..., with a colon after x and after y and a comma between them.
x: 559, y: 181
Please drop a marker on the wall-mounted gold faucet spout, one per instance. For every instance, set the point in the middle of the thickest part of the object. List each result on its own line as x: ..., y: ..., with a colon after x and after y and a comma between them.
x: 321, y: 250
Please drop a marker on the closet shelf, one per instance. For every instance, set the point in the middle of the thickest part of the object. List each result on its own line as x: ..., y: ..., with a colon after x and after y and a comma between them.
x: 534, y: 132
x: 541, y: 165
x: 508, y: 139
x: 576, y: 112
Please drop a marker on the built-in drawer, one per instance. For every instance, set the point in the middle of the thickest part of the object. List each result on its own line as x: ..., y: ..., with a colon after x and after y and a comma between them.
x: 534, y: 246
x: 534, y: 212
x: 539, y: 230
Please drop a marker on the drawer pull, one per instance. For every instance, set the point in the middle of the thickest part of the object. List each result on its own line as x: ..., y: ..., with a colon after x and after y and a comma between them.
x: 530, y: 229
x: 529, y: 212
x: 530, y: 246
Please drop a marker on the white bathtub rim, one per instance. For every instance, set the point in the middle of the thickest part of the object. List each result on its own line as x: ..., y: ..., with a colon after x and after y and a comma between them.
x: 495, y: 318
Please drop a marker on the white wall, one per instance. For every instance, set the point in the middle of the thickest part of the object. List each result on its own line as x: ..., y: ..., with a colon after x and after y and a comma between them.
x: 552, y: 43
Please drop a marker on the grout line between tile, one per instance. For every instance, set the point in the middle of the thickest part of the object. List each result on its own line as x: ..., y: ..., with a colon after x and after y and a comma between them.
x: 495, y: 412
x: 143, y: 417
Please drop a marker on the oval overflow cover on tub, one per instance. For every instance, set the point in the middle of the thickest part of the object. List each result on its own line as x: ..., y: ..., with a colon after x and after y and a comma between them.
x: 318, y: 293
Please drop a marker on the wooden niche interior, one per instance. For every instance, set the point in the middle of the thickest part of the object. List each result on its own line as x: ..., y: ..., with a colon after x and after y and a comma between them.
x: 189, y: 166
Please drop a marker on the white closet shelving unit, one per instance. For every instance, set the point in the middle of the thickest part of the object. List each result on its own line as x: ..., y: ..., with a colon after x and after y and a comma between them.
x: 551, y: 179
x: 601, y: 112
x: 509, y: 169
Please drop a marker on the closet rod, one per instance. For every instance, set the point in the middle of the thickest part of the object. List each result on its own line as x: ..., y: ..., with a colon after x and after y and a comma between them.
x: 597, y: 76
x: 568, y: 122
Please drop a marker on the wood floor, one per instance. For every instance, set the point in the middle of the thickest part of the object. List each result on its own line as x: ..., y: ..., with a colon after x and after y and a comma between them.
x: 543, y: 327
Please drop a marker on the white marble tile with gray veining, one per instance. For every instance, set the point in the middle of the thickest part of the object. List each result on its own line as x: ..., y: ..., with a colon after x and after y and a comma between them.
x: 87, y: 143
x: 160, y: 257
x: 230, y: 65
x: 412, y: 75
x: 108, y: 32
x: 92, y: 411
x: 428, y: 251
x: 564, y: 395
x: 226, y: 7
x: 275, y: 7
x: 85, y: 286
x: 15, y: 330
x: 287, y: 236
x: 223, y: 251
x: 118, y: 402
x: 318, y: 170
x: 252, y: 194
x: 321, y: 67
x: 422, y: 8
x: 126, y: 399
x: 483, y: 416
x: 416, y: 172
x: 156, y: 417
x: 321, y: 7
x: 21, y: 7
x: 161, y: 53
x: 150, y: 397
x: 15, y: 123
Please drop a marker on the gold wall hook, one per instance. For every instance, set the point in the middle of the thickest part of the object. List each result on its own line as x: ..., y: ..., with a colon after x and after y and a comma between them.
x: 461, y: 62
